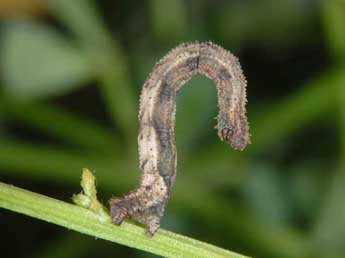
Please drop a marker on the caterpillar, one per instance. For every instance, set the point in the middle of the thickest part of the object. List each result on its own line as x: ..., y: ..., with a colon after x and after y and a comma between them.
x: 156, y: 138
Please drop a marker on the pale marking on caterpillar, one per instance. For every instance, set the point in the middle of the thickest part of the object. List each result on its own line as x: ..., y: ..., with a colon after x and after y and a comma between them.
x: 156, y: 138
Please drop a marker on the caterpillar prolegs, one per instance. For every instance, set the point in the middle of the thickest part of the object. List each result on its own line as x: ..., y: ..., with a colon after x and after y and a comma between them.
x: 156, y: 137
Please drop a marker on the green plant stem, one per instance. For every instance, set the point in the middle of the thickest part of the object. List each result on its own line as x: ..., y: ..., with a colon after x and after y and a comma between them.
x: 164, y: 243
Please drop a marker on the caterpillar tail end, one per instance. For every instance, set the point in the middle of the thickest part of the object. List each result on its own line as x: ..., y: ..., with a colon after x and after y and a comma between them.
x: 122, y: 208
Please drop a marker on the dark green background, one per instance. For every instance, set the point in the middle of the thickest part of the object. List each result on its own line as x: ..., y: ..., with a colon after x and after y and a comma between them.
x: 71, y: 75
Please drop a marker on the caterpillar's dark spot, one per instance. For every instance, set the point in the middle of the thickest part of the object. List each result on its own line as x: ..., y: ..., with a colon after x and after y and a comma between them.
x: 224, y: 74
x: 143, y: 164
x: 193, y: 63
x: 227, y: 132
x: 168, y: 179
x: 166, y: 92
x: 164, y: 136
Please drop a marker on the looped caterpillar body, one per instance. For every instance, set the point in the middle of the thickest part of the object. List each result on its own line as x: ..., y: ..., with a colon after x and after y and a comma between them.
x: 156, y: 137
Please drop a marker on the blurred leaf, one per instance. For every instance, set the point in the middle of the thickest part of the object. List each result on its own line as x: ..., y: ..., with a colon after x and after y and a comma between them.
x: 70, y: 245
x: 273, y: 239
x: 265, y: 192
x: 307, y: 187
x: 210, y: 160
x: 82, y: 18
x: 334, y: 20
x: 341, y: 116
x: 195, y: 111
x: 21, y: 7
x: 312, y: 101
x: 169, y: 19
x: 64, y: 125
x: 43, y: 163
x: 38, y: 62
x: 329, y: 234
x: 266, y: 22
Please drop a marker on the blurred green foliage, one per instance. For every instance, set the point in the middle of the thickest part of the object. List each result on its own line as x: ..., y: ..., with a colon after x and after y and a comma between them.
x: 70, y: 84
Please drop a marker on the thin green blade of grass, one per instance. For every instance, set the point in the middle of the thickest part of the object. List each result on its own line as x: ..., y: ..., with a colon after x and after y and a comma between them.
x: 64, y: 125
x: 314, y: 100
x: 329, y: 231
x: 82, y: 19
x: 164, y: 243
x: 169, y: 19
x: 333, y: 22
x: 341, y: 113
x: 42, y: 163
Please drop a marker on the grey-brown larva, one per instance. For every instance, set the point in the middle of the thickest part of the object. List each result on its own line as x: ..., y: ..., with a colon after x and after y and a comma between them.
x: 156, y: 138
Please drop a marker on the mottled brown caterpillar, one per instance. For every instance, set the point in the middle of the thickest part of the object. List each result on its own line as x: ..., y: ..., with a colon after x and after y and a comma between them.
x: 156, y: 138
